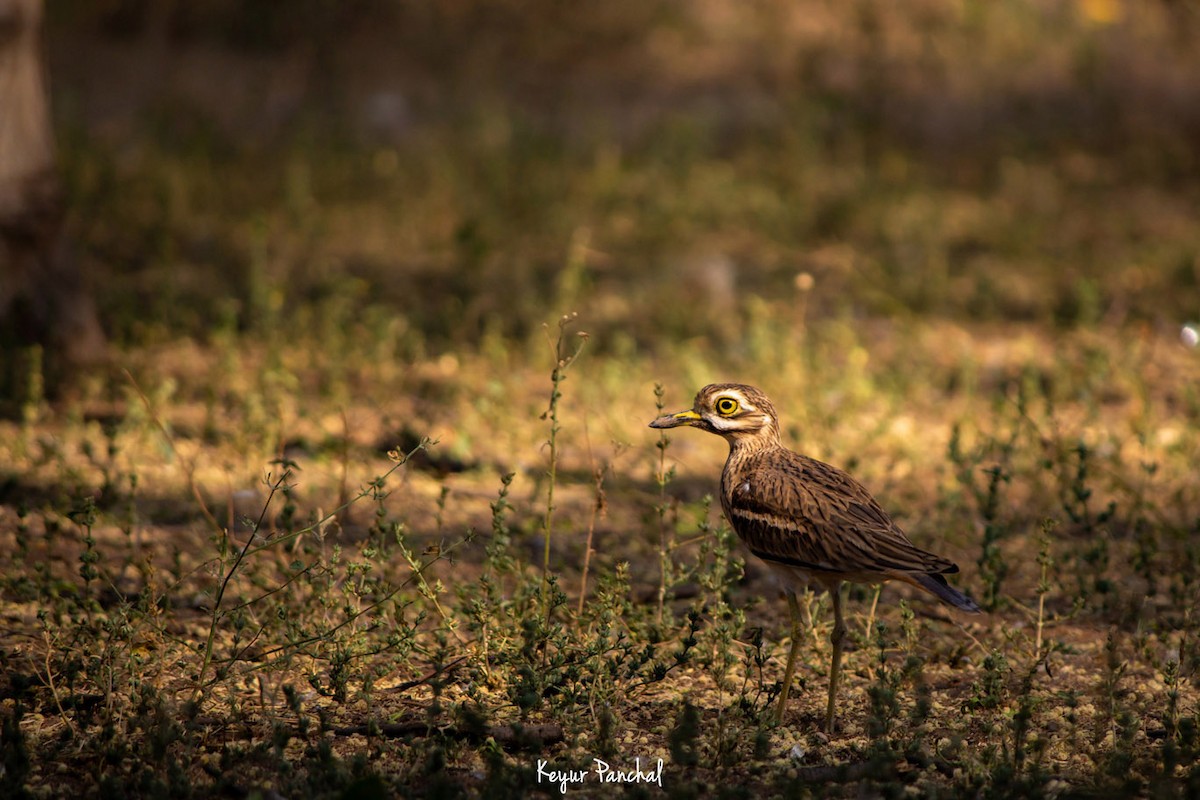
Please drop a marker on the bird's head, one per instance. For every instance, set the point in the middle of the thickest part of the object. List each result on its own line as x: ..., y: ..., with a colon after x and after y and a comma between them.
x: 740, y: 413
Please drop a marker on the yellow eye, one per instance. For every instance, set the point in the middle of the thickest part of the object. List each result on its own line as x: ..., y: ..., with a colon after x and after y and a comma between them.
x: 727, y: 406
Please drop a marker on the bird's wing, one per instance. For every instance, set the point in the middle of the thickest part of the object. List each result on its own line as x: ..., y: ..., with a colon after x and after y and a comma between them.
x: 799, y: 511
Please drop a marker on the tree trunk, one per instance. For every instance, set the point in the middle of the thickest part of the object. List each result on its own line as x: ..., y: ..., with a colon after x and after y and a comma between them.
x: 42, y: 298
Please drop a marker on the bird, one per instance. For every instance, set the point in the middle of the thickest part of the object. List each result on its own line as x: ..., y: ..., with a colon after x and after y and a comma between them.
x: 812, y: 523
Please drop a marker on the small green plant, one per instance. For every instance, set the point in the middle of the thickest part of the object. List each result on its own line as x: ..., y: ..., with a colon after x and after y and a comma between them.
x: 1174, y: 749
x: 685, y: 737
x: 883, y: 694
x: 1022, y: 723
x: 564, y: 357
x: 33, y: 394
x: 662, y: 478
x: 1076, y: 493
x: 990, y: 692
x: 17, y: 761
x: 993, y: 567
x: 598, y: 511
x: 231, y: 562
x: 84, y: 515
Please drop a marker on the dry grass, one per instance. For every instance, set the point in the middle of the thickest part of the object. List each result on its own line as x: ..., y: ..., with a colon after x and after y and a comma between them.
x: 1107, y: 702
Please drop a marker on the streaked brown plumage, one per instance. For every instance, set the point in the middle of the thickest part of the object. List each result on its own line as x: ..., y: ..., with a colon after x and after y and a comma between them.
x: 810, y: 521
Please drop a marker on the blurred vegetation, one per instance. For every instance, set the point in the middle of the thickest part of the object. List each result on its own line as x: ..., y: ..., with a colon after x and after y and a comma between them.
x: 469, y: 165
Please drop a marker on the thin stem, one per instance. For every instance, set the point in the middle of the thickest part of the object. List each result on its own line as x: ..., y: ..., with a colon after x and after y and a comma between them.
x: 216, y: 615
x: 417, y: 573
x: 871, y: 614
x: 598, y: 508
x: 561, y: 363
x: 249, y: 549
x: 552, y: 473
x: 662, y: 477
x: 1045, y: 559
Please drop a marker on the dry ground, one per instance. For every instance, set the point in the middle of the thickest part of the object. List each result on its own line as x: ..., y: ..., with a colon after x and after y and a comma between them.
x: 336, y: 612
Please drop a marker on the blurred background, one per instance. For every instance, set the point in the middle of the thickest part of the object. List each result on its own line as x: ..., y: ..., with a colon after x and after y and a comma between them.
x: 459, y: 172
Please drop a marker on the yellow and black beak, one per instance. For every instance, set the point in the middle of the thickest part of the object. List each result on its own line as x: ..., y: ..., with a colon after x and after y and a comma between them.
x: 689, y: 417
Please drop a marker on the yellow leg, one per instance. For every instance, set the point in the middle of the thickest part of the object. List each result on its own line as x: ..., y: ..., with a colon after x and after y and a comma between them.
x: 781, y: 703
x: 806, y: 608
x: 837, y: 638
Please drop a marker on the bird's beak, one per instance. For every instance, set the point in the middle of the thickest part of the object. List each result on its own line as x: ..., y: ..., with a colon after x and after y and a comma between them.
x: 688, y: 417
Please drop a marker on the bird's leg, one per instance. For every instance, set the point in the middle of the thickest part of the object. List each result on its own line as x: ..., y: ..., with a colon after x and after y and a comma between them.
x: 806, y: 608
x: 837, y: 638
x: 791, y: 664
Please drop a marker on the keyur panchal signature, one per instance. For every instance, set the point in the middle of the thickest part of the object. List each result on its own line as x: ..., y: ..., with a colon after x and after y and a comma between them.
x: 602, y: 771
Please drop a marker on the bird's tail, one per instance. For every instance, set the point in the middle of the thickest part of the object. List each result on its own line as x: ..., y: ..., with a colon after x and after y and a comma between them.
x: 936, y: 584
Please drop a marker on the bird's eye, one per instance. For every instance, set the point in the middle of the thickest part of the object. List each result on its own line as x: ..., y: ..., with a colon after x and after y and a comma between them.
x: 727, y: 406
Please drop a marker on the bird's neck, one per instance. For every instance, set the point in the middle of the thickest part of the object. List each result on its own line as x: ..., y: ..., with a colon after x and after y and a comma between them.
x: 745, y: 444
